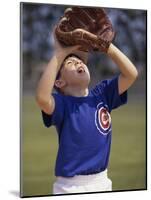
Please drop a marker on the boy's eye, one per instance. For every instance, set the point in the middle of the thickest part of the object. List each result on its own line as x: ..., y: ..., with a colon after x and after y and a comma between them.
x: 69, y: 62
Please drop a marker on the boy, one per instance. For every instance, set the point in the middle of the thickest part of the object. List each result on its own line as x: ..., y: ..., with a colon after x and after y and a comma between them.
x: 82, y: 117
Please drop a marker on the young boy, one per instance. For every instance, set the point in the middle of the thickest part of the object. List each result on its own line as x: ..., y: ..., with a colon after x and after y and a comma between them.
x: 82, y: 117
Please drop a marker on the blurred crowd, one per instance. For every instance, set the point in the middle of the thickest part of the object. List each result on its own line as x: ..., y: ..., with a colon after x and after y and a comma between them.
x: 38, y: 20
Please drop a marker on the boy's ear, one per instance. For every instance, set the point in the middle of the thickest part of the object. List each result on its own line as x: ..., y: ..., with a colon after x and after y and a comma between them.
x: 60, y: 83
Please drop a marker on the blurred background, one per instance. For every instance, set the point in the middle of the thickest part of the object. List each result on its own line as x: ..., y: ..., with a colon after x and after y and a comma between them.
x: 39, y: 145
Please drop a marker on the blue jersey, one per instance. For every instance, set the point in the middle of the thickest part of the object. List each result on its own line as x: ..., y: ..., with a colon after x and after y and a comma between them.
x: 84, y: 129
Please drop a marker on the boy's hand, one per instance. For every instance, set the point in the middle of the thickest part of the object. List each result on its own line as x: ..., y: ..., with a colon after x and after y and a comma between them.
x: 63, y: 50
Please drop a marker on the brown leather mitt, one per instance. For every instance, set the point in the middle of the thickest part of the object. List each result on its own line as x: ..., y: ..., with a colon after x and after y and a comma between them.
x: 88, y: 27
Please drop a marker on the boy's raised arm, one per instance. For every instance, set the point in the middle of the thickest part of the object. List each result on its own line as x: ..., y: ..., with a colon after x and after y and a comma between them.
x: 45, y: 86
x: 128, y: 70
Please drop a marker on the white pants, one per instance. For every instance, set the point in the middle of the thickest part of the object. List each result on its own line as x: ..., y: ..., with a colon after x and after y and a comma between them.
x: 82, y: 183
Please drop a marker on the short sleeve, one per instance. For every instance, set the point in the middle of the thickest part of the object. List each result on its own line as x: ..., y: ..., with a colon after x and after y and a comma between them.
x: 56, y: 117
x: 109, y: 89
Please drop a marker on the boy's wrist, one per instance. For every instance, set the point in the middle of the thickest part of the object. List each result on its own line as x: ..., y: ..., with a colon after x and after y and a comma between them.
x: 110, y: 50
x: 62, y: 53
x: 60, y: 56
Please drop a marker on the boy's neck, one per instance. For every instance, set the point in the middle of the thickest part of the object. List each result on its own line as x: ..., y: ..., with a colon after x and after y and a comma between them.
x: 76, y: 92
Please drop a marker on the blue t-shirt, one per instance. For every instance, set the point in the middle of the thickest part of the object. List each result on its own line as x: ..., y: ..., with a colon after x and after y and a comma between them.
x: 84, y: 129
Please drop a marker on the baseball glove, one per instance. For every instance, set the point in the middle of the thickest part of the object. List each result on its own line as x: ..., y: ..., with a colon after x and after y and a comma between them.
x: 88, y: 27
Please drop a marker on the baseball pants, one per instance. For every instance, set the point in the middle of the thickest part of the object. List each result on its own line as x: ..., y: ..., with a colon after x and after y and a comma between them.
x: 83, y: 183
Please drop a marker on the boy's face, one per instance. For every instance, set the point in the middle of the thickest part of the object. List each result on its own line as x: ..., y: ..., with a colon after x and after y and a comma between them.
x: 74, y: 72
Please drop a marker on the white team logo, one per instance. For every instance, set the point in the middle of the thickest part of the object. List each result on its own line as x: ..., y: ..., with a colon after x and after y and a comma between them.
x: 102, y: 119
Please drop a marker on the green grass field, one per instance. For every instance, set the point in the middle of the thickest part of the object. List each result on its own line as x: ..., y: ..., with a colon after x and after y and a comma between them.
x: 127, y: 167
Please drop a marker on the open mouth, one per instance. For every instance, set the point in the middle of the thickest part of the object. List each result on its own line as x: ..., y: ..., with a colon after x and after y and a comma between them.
x: 81, y: 70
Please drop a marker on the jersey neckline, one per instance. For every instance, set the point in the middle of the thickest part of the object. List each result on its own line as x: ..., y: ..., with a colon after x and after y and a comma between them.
x: 74, y: 98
